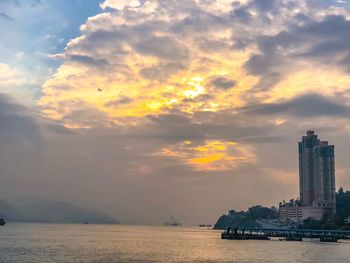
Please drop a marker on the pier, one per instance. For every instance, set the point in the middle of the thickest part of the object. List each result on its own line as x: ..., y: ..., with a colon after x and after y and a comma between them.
x: 284, y: 234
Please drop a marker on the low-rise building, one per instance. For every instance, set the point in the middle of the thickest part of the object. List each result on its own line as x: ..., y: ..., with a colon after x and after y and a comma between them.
x: 293, y: 211
x: 290, y: 211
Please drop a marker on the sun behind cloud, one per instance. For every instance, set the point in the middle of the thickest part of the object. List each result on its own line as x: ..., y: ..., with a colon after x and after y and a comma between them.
x: 149, y: 58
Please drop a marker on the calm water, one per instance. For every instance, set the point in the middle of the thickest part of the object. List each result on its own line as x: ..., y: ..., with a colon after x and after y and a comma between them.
x: 43, y: 243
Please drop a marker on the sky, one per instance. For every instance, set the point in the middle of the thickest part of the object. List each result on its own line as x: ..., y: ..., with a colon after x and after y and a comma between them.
x: 148, y: 109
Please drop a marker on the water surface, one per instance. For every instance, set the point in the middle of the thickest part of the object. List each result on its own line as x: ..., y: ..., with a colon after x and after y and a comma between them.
x: 48, y: 243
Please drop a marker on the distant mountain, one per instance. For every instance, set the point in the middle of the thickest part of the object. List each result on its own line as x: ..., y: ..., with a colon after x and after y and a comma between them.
x: 52, y: 212
x: 8, y: 211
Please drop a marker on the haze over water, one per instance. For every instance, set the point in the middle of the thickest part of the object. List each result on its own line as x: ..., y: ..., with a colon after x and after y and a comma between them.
x: 49, y: 243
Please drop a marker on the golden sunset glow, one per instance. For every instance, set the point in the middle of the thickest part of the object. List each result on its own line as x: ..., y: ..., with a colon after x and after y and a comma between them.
x: 211, y: 156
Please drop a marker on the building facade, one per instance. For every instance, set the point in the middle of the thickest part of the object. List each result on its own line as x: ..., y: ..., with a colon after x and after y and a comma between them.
x: 316, y: 182
x: 307, y: 179
x: 317, y: 173
x: 290, y: 211
x: 295, y: 212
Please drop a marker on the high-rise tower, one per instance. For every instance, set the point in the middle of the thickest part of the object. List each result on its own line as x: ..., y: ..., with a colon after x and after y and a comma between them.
x: 325, y: 176
x: 306, y: 168
x: 316, y: 173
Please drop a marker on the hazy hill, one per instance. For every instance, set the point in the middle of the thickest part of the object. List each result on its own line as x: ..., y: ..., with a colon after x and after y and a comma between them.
x: 52, y: 212
x: 8, y: 211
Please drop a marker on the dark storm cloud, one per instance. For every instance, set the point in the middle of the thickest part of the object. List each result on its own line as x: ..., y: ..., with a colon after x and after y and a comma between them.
x: 223, y: 83
x: 266, y: 66
x: 263, y: 64
x: 267, y: 81
x: 178, y: 127
x: 305, y: 106
x: 90, y: 61
x: 161, y: 71
x: 199, y: 21
x: 331, y: 40
x: 264, y: 5
x: 163, y: 47
x: 242, y: 14
x: 325, y: 41
x: 257, y: 9
x: 332, y: 30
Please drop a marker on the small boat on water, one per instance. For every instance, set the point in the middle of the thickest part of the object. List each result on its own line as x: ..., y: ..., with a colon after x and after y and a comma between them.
x: 173, y: 222
x: 2, y: 222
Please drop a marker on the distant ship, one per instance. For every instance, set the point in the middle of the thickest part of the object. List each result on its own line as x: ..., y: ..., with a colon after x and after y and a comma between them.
x: 2, y: 222
x: 173, y: 222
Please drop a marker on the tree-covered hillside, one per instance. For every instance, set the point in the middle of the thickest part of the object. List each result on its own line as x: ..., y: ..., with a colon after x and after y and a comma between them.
x: 343, y: 203
x: 246, y: 218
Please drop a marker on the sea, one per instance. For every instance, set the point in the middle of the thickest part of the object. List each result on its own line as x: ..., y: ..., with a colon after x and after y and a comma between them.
x: 54, y: 243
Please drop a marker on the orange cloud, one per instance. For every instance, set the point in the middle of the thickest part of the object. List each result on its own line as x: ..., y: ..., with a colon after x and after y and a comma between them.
x: 213, y: 155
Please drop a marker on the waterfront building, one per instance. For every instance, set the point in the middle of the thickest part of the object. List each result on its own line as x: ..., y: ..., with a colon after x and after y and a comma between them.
x: 316, y: 181
x: 296, y: 213
x: 317, y: 173
x: 290, y: 212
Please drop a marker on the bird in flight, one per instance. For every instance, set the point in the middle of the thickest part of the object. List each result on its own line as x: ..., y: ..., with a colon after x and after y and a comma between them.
x: 99, y: 90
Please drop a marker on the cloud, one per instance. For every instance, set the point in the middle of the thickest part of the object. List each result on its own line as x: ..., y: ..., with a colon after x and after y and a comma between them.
x: 162, y: 47
x: 304, y: 106
x: 17, y: 125
x: 121, y: 101
x: 315, y: 40
x: 223, y: 83
x: 89, y: 61
x: 121, y: 4
x: 177, y: 51
x: 211, y: 156
x: 10, y: 76
x: 202, y: 71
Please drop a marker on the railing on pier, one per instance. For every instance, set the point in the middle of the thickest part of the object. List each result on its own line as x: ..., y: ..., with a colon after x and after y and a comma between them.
x: 288, y: 234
